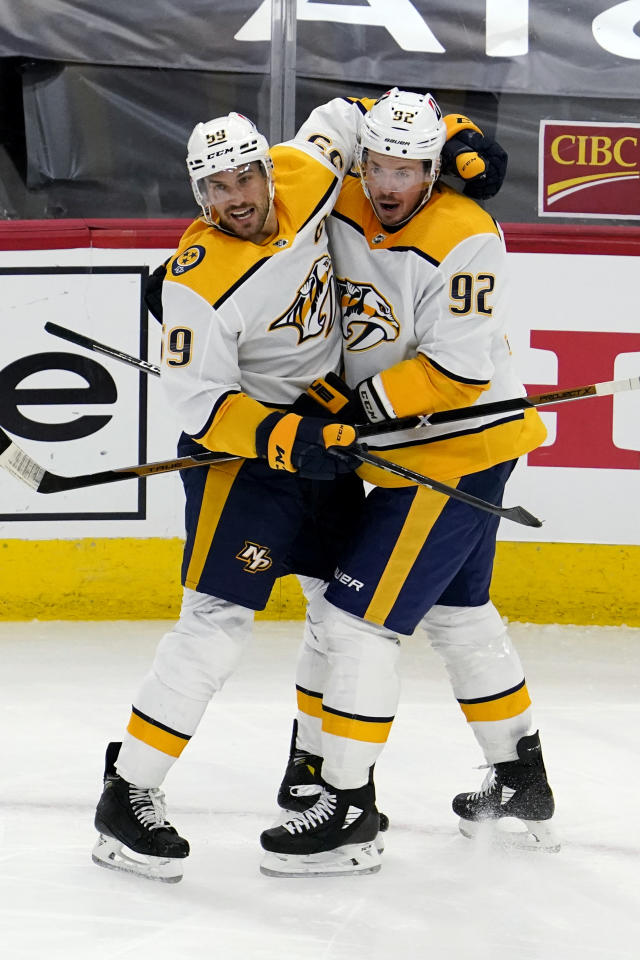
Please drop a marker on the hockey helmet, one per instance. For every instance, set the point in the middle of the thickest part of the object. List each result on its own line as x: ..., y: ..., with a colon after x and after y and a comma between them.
x: 223, y: 145
x: 404, y: 125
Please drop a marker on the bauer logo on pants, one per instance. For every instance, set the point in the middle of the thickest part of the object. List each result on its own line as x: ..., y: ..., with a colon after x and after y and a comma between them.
x: 589, y: 170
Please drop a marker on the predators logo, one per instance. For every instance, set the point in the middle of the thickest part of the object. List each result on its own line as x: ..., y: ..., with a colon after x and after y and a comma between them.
x: 367, y: 317
x: 313, y: 312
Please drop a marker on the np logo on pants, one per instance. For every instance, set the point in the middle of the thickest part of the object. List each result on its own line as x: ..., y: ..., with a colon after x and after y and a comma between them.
x: 256, y: 558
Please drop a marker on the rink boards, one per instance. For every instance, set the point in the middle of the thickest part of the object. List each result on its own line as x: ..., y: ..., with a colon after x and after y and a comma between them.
x: 113, y: 551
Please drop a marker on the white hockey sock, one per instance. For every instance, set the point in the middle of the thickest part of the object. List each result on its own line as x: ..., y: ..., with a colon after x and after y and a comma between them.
x: 167, y: 718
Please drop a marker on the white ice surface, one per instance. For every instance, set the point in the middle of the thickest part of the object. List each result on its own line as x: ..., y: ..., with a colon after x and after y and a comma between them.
x: 66, y: 690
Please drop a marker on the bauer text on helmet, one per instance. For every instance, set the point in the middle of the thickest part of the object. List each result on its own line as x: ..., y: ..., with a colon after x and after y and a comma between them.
x: 398, y: 153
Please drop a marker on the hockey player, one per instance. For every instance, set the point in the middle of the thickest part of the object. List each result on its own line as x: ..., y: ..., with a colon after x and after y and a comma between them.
x: 421, y: 276
x: 250, y: 318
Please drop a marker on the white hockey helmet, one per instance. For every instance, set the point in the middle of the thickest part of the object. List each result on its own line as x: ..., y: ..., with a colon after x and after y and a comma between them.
x: 404, y: 125
x: 221, y: 145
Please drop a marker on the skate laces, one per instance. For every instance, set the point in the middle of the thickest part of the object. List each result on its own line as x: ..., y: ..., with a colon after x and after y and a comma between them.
x: 487, y: 786
x: 321, y: 811
x: 305, y: 789
x: 148, y: 806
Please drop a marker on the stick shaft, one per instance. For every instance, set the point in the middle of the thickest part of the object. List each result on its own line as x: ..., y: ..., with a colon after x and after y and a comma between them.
x: 24, y: 468
x: 517, y: 514
x: 20, y: 465
x: 89, y: 344
x: 604, y: 389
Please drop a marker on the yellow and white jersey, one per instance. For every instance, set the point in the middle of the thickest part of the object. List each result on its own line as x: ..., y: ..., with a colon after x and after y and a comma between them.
x: 423, y: 324
x: 254, y: 319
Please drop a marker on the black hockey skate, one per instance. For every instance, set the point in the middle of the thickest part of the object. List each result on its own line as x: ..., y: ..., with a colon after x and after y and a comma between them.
x: 134, y: 833
x: 302, y: 782
x: 517, y: 789
x: 334, y: 837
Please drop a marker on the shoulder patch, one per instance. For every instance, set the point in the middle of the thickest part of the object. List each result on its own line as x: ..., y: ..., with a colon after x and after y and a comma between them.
x: 187, y: 260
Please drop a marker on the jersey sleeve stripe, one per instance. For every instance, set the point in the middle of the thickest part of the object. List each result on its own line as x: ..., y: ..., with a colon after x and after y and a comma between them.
x: 425, y: 441
x: 207, y: 426
x: 320, y: 204
x: 354, y: 102
x: 453, y: 376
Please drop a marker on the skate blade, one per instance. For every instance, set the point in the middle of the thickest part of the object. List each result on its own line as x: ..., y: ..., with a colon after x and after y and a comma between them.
x: 113, y: 855
x: 508, y: 833
x: 344, y: 861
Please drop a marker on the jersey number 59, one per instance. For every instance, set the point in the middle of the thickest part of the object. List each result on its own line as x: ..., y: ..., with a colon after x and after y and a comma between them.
x: 178, y: 343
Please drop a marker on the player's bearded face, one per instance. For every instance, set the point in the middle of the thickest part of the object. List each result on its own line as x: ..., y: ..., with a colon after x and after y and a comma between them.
x: 241, y: 200
x: 396, y: 186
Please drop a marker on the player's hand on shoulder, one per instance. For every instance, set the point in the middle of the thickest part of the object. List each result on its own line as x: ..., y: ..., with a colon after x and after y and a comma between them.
x: 478, y: 160
x: 313, y: 447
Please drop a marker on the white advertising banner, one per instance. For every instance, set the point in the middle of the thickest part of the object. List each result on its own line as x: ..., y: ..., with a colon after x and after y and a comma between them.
x: 77, y: 412
x: 573, y: 322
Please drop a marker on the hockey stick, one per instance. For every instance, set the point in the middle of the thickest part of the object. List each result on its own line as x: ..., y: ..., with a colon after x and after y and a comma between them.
x: 22, y: 467
x: 517, y: 514
x: 81, y: 341
x: 604, y: 389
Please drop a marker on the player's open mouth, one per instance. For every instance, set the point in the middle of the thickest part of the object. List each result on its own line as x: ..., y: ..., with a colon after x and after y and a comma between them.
x: 241, y: 215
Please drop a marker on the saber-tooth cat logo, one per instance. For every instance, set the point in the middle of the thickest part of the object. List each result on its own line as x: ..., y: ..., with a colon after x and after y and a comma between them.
x: 367, y: 317
x: 313, y: 312
x: 256, y: 558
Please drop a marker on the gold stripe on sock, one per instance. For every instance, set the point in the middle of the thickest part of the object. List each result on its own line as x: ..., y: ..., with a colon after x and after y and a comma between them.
x: 367, y: 731
x: 309, y: 703
x: 501, y: 707
x: 163, y: 740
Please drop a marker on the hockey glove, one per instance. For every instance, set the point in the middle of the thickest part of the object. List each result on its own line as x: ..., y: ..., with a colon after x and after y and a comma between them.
x: 302, y: 445
x: 153, y: 291
x: 468, y: 154
x: 329, y: 397
x: 360, y: 405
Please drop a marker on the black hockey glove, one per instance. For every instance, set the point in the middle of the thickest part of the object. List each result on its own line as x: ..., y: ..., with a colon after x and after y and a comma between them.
x: 331, y: 394
x: 302, y: 445
x: 468, y: 154
x: 153, y: 291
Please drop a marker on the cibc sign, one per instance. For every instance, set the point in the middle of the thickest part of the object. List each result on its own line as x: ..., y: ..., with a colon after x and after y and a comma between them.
x: 589, y: 170
x: 73, y: 411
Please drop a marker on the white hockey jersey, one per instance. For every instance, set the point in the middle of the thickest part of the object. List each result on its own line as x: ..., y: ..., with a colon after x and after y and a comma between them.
x: 431, y: 291
x: 253, y: 319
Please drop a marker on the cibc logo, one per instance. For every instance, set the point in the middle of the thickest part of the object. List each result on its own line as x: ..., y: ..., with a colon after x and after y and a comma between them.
x: 589, y: 170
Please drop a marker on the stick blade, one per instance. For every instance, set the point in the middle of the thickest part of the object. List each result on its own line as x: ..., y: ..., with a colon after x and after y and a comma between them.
x: 18, y: 463
x: 520, y: 515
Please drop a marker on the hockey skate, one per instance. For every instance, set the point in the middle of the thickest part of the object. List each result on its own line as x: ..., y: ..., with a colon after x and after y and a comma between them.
x: 302, y: 784
x: 135, y: 836
x: 334, y: 837
x: 515, y: 789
